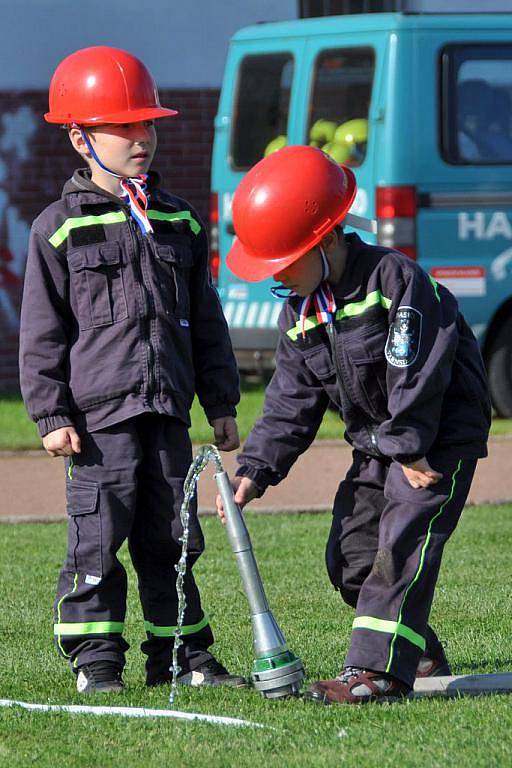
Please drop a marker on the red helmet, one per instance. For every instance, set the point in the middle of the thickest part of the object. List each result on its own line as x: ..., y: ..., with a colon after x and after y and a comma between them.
x: 284, y: 206
x: 102, y: 85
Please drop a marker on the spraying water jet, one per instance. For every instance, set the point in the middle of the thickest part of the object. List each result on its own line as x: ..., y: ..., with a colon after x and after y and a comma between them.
x: 277, y: 672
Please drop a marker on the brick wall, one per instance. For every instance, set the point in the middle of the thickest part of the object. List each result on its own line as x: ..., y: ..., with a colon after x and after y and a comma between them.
x: 35, y: 161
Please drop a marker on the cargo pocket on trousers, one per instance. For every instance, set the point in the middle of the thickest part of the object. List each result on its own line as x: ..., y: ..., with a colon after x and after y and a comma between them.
x: 84, y: 529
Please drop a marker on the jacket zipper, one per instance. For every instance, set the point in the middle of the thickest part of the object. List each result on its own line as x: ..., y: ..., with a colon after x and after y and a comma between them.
x: 139, y: 246
x: 340, y: 378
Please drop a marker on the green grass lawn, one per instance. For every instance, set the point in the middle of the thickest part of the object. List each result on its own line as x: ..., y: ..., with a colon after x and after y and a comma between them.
x: 472, y: 613
x: 18, y: 432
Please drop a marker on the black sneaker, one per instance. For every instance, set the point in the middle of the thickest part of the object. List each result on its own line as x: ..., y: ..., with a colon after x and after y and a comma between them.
x: 155, y: 677
x: 210, y: 672
x: 99, y: 677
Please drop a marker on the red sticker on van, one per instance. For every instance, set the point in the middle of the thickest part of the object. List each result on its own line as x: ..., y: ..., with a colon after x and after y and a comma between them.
x: 462, y: 281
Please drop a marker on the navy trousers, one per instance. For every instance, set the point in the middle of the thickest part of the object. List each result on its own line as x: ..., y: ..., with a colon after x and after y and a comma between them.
x: 384, y: 553
x: 127, y: 484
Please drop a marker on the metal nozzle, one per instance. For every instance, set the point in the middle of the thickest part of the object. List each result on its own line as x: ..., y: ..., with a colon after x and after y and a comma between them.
x: 276, y: 672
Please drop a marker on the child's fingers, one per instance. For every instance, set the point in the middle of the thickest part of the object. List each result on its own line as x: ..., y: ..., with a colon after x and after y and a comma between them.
x: 75, y: 440
x: 220, y: 508
x: 426, y: 479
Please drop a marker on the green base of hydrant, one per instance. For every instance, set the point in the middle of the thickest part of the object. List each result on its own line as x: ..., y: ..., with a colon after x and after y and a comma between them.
x: 278, y: 676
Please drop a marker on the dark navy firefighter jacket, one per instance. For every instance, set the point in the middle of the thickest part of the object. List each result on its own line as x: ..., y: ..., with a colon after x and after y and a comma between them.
x: 399, y: 362
x: 115, y: 323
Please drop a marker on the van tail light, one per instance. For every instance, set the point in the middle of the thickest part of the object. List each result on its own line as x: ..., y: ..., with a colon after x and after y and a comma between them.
x: 214, y: 237
x: 396, y: 210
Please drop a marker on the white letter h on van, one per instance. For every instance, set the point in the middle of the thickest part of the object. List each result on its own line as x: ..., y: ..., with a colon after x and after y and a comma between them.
x: 472, y: 226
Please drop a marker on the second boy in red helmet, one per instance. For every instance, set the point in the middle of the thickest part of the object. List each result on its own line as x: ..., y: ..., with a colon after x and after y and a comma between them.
x: 366, y: 329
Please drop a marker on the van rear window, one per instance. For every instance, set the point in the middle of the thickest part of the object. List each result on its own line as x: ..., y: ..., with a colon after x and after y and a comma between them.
x: 476, y: 113
x: 340, y: 101
x: 261, y: 108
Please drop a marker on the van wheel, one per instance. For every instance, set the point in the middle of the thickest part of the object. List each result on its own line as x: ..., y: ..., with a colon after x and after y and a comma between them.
x: 500, y: 370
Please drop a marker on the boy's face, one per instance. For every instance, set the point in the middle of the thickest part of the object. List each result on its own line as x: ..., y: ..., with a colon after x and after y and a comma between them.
x: 304, y: 275
x: 126, y: 148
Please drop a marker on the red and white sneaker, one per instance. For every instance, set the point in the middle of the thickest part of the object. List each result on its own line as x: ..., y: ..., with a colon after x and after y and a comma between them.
x: 434, y: 666
x: 358, y: 686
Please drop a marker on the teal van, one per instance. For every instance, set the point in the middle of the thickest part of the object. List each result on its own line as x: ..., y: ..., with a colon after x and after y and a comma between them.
x: 420, y: 106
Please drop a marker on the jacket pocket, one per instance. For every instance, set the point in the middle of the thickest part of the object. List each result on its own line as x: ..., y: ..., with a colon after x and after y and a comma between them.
x: 320, y: 363
x: 366, y: 360
x: 173, y: 264
x: 84, y: 545
x: 97, y: 280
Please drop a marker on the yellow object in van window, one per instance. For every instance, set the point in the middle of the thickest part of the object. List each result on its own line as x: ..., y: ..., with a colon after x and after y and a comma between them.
x: 277, y: 143
x: 322, y: 131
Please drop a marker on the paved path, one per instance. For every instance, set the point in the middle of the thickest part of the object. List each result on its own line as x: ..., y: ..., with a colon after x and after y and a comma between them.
x: 32, y: 484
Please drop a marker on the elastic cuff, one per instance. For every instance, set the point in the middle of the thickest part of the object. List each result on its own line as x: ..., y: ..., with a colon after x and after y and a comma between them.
x: 408, y: 458
x: 219, y: 411
x: 260, y: 477
x: 51, y: 423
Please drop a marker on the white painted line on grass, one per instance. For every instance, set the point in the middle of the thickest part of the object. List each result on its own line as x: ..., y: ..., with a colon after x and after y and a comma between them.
x: 80, y: 709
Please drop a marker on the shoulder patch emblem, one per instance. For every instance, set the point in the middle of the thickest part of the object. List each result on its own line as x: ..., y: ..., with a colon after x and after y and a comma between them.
x: 403, y: 344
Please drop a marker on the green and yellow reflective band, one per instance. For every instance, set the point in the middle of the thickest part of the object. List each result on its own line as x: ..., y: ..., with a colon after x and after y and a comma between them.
x: 187, y: 629
x: 354, y: 309
x: 63, y: 231
x: 422, y: 560
x: 179, y: 216
x: 434, y: 285
x: 391, y: 627
x: 59, y: 604
x: 89, y: 628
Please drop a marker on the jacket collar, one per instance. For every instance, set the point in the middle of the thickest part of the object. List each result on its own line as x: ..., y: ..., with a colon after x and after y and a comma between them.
x: 362, y: 259
x: 81, y: 190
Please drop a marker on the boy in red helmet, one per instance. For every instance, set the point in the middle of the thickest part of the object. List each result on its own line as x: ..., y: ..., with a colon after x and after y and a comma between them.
x: 365, y: 328
x: 120, y: 327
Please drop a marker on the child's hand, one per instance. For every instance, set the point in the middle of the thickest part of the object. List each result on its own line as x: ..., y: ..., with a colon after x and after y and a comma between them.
x: 226, y: 433
x: 420, y: 474
x: 62, y: 442
x: 245, y: 491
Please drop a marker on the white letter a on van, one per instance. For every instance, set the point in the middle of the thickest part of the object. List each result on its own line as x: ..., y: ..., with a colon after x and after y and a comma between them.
x: 499, y: 226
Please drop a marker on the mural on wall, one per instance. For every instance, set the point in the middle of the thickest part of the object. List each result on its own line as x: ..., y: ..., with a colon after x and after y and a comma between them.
x: 36, y: 159
x: 16, y: 130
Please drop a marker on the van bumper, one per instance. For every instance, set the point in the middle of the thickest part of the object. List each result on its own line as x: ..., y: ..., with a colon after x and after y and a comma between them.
x: 254, y: 348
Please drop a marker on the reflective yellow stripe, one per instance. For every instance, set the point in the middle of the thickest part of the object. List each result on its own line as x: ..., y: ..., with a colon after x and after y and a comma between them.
x: 89, y: 628
x: 354, y: 309
x: 391, y: 627
x: 187, y: 629
x: 116, y: 217
x: 434, y: 286
x: 179, y: 216
x: 63, y: 231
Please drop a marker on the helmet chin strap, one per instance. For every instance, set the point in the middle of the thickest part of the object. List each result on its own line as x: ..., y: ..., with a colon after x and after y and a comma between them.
x: 326, y: 267
x: 322, y: 298
x: 280, y: 292
x: 134, y: 187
